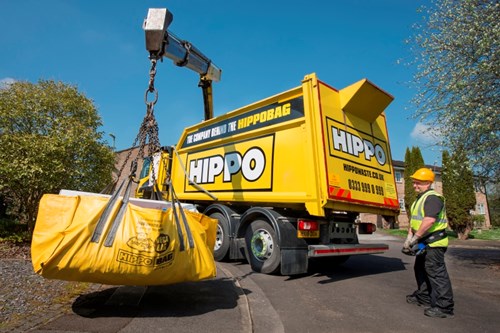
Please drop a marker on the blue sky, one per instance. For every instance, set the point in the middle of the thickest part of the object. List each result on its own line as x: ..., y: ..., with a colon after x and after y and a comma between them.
x: 263, y: 48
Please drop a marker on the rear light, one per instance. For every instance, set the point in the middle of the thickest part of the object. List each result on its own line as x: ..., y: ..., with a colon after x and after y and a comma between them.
x: 308, y: 225
x: 366, y: 228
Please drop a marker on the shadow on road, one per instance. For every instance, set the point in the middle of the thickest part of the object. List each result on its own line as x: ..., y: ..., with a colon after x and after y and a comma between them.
x: 355, y: 267
x: 473, y: 256
x: 178, y: 300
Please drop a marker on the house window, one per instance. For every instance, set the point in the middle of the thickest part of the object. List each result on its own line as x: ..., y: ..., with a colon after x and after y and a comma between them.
x: 480, y: 209
x: 402, y: 205
x: 397, y: 175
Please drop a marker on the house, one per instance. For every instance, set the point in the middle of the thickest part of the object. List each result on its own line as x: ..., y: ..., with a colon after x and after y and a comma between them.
x: 403, y: 220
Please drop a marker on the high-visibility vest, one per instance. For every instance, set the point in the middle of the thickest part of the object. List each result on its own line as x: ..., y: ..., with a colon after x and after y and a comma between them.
x: 417, y: 215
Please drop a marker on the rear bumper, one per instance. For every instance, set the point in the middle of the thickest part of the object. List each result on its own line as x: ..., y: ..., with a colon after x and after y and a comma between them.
x: 315, y: 251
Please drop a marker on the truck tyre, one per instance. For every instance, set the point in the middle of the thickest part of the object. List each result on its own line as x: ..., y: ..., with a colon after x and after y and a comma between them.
x: 263, y: 251
x: 222, y: 237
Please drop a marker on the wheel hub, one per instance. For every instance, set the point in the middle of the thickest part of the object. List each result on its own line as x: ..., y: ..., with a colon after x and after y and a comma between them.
x: 262, y: 244
x: 219, y: 237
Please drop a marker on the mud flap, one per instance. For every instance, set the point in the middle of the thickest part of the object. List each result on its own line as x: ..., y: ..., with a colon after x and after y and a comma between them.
x: 237, y: 248
x: 293, y: 261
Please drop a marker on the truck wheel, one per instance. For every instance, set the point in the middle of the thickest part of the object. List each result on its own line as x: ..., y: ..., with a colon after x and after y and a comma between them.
x: 263, y: 252
x: 221, y: 238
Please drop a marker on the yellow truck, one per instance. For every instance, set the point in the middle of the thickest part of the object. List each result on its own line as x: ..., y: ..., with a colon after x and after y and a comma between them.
x: 288, y: 176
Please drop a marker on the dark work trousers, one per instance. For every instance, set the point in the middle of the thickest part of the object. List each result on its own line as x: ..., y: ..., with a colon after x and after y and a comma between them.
x: 433, y: 282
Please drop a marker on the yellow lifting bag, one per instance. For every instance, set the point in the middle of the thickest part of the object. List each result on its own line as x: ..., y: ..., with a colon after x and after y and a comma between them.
x: 146, y: 246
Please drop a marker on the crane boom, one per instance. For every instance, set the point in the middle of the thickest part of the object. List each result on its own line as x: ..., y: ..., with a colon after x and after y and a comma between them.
x: 162, y: 43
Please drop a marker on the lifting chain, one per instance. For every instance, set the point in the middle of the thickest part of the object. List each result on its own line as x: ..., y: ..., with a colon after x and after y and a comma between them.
x: 147, y: 138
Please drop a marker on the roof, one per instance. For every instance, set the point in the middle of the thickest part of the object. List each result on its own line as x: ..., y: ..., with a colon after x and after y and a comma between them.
x: 401, y: 165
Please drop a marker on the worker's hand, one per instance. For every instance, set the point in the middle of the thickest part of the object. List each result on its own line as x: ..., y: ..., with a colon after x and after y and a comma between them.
x: 406, y: 245
x: 414, y: 240
x: 407, y: 251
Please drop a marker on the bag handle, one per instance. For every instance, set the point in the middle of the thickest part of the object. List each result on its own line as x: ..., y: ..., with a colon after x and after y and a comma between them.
x: 119, y: 217
x: 121, y: 213
x: 175, y: 201
x: 98, y: 231
x: 188, y: 229
x: 96, y: 236
x: 191, y: 181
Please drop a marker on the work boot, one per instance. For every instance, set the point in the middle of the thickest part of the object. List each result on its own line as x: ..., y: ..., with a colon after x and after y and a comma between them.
x: 411, y: 299
x: 438, y: 313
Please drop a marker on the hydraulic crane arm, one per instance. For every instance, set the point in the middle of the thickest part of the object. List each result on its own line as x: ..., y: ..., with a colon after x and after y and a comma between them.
x: 162, y: 43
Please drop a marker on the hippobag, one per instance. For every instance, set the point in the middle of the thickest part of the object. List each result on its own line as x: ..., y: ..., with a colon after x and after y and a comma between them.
x: 112, y: 241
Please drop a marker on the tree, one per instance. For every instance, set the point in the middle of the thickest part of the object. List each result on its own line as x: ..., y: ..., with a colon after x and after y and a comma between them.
x: 409, y: 192
x: 458, y: 190
x: 413, y: 162
x: 494, y: 204
x: 49, y: 140
x: 457, y: 78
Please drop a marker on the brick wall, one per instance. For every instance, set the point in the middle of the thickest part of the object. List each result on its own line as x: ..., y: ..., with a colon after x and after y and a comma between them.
x: 121, y: 157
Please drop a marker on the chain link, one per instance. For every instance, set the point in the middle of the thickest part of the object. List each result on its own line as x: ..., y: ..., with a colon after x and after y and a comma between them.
x: 151, y: 86
x: 148, y: 136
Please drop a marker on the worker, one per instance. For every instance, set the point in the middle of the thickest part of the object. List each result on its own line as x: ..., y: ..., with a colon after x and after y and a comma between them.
x: 428, y: 240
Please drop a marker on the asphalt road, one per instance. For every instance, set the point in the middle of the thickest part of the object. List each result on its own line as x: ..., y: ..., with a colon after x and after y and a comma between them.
x: 366, y: 294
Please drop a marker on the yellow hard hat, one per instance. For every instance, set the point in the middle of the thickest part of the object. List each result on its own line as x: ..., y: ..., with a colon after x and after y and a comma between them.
x: 424, y: 175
